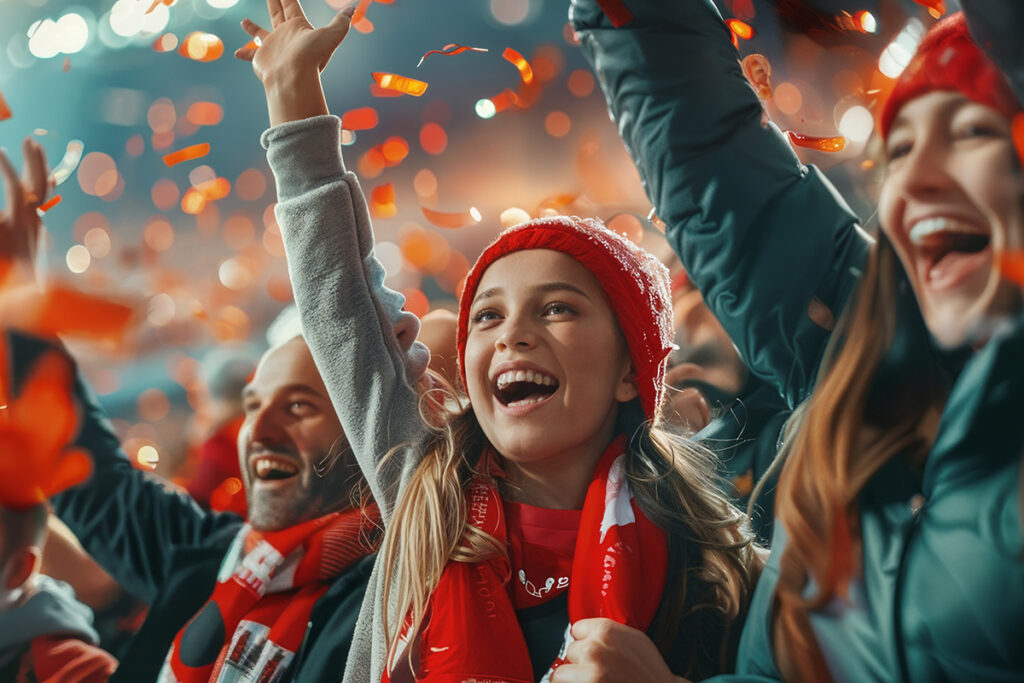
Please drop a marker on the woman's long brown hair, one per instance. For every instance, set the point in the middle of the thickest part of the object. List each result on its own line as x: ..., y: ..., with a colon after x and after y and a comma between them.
x: 852, y: 427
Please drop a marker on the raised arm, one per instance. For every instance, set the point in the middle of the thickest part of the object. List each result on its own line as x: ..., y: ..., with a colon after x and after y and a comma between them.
x: 760, y: 234
x: 361, y: 340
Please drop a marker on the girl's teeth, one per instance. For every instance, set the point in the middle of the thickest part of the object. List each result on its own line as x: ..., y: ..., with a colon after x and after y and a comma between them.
x: 930, y: 226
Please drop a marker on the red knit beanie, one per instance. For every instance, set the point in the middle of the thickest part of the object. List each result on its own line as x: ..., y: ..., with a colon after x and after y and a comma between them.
x: 635, y: 285
x: 949, y: 59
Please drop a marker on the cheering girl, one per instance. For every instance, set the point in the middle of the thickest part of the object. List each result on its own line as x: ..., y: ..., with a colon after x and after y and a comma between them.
x: 551, y: 529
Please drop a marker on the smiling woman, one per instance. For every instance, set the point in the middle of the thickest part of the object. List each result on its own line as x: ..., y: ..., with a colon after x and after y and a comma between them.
x: 906, y: 441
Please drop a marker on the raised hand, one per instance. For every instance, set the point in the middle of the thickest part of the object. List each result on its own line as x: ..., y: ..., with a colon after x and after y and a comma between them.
x: 290, y: 57
x: 20, y: 225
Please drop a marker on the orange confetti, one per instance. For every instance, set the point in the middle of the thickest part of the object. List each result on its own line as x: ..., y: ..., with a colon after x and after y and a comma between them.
x: 1011, y: 265
x: 67, y: 65
x: 187, y: 154
x: 363, y: 118
x: 402, y: 84
x: 359, y: 20
x: 504, y: 100
x: 36, y: 429
x: 829, y: 144
x: 525, y: 70
x: 229, y: 496
x: 383, y: 194
x: 157, y: 3
x: 193, y: 202
x: 740, y: 29
x: 935, y: 7
x: 456, y: 219
x: 394, y: 149
x: 63, y: 310
x: 378, y: 91
x: 165, y: 43
x: 5, y: 111
x: 382, y: 201
x: 449, y: 50
x: 1017, y: 128
x: 202, y: 47
x: 49, y: 203
x: 215, y: 189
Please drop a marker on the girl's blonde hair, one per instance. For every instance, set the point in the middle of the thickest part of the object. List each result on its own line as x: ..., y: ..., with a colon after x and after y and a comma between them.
x: 673, y: 481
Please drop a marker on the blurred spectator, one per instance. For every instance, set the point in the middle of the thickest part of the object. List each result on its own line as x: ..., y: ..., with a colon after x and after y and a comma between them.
x: 224, y: 374
x: 46, y: 634
x: 714, y: 396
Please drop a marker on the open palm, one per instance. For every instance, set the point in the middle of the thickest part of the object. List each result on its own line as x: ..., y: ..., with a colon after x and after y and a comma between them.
x: 293, y: 46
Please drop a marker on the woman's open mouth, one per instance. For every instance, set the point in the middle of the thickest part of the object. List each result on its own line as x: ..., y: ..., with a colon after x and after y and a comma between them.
x: 949, y: 250
x: 518, y: 389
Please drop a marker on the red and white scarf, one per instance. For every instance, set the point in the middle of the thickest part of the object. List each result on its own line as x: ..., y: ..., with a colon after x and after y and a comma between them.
x: 256, y: 618
x: 618, y: 572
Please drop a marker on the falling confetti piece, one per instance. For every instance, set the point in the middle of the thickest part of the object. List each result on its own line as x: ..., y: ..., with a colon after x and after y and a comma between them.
x: 457, y: 219
x: 525, y: 70
x: 49, y: 203
x: 69, y: 162
x: 5, y: 111
x: 1011, y: 265
x: 67, y: 65
x: 187, y: 154
x: 165, y: 43
x: 201, y: 46
x: 359, y: 20
x: 402, y: 84
x: 215, y: 189
x: 157, y: 3
x: 383, y: 194
x: 935, y: 7
x: 740, y: 29
x: 1017, y: 128
x: 378, y: 91
x: 63, y: 310
x: 828, y: 144
x: 382, y: 201
x: 363, y: 118
x: 39, y: 425
x: 450, y: 50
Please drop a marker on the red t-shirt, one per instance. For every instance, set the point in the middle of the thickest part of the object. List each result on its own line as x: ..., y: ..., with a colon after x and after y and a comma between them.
x: 541, y: 546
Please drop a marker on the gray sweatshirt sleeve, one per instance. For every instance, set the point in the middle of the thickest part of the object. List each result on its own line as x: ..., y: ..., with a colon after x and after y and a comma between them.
x: 361, y: 340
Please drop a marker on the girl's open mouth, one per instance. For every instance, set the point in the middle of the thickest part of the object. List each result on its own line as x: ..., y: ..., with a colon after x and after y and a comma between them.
x: 521, y: 388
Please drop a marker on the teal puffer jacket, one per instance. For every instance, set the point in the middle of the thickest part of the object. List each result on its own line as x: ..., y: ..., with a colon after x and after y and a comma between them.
x: 941, y: 596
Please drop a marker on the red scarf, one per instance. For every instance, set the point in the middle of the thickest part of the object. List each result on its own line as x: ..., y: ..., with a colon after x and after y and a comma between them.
x: 618, y: 572
x: 256, y: 618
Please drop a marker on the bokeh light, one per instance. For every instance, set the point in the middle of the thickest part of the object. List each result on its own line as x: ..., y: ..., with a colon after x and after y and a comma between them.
x: 510, y: 12
x: 78, y: 259
x: 557, y: 124
x: 856, y: 123
x: 97, y: 241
